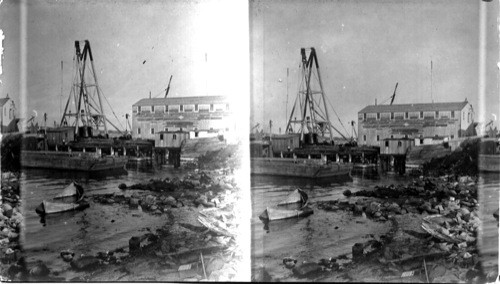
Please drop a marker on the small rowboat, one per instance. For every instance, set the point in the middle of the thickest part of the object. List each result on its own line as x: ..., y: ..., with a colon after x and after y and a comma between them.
x: 48, y: 207
x: 297, y: 197
x: 278, y: 214
x: 71, y: 198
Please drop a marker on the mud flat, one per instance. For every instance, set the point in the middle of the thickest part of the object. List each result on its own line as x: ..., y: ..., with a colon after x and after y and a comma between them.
x: 432, y: 227
x: 196, y: 240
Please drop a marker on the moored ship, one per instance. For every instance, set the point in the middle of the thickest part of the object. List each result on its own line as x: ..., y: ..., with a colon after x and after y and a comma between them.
x: 489, y: 155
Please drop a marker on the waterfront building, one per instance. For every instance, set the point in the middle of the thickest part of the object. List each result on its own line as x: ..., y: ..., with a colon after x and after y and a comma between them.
x: 8, y: 115
x: 202, y: 116
x: 426, y: 122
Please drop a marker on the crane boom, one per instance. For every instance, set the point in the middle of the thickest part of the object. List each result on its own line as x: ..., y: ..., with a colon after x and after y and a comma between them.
x: 168, y: 87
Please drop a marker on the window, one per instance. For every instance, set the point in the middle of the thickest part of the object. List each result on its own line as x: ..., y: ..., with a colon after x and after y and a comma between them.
x: 400, y: 144
x: 392, y: 136
x: 378, y: 115
x: 152, y: 108
x: 421, y: 114
x: 166, y: 108
x: 437, y: 114
x: 174, y: 137
x: 452, y: 114
x: 161, y: 136
x: 196, y: 107
x: 134, y: 109
x: 181, y: 108
x: 421, y: 141
x: 139, y: 109
x: 378, y: 138
x: 196, y: 134
x: 152, y: 131
x: 364, y: 116
x: 452, y: 136
x: 406, y: 115
x: 406, y: 136
x: 386, y: 143
x: 392, y: 115
x: 364, y: 137
x: 211, y: 107
x: 139, y: 130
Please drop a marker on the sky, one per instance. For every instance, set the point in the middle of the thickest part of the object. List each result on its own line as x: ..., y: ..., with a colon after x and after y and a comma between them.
x: 365, y: 47
x: 136, y: 45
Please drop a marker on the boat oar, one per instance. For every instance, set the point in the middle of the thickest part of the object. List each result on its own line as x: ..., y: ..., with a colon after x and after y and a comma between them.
x: 426, y: 275
x: 203, y: 265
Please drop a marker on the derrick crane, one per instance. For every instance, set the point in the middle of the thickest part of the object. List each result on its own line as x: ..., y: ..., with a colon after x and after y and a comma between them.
x: 84, y: 106
x: 310, y: 103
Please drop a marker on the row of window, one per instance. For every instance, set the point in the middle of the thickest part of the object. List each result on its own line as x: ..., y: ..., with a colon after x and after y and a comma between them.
x: 405, y: 136
x: 407, y: 115
x: 181, y: 108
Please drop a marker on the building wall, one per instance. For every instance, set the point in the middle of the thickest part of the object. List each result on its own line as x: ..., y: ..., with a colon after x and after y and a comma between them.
x: 7, y: 114
x: 374, y: 127
x: 190, y: 114
x: 170, y: 139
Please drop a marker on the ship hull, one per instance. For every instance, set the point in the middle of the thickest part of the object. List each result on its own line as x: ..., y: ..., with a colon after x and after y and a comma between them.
x: 75, y: 161
x: 489, y: 163
x: 303, y: 168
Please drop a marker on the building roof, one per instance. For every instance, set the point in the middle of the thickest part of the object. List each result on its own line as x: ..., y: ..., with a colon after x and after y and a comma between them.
x: 3, y: 101
x: 181, y: 100
x: 415, y: 107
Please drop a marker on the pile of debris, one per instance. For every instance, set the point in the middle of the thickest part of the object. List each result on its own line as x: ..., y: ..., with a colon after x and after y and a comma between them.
x: 11, y: 221
x: 437, y: 216
x: 198, y: 239
x: 462, y: 161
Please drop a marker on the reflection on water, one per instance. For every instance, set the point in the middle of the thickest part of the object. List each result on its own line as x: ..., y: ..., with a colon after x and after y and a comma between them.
x: 321, y: 235
x: 97, y: 228
x: 327, y: 234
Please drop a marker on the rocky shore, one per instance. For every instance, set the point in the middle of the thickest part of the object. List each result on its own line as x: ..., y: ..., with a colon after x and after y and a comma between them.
x: 197, y: 240
x: 433, y: 228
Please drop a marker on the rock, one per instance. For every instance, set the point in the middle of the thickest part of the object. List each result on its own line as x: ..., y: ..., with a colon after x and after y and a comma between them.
x: 10, y: 255
x: 67, y: 255
x: 170, y: 201
x: 7, y: 210
x: 347, y: 193
x: 153, y: 208
x: 110, y: 201
x: 261, y: 275
x: 134, y: 245
x: 85, y: 263
x: 133, y: 202
x: 306, y: 269
x: 357, y: 210
x: 462, y: 245
x: 394, y: 207
x: 289, y: 262
x: 4, y: 241
x: 215, y: 265
x: 150, y: 200
x: 438, y: 271
x: 377, y: 214
x: 122, y: 186
x: 357, y: 251
x: 39, y: 270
